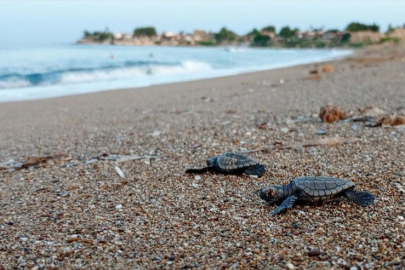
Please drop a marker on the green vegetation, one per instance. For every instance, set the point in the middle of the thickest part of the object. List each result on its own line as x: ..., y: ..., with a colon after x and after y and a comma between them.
x: 357, y: 45
x: 86, y: 34
x: 306, y: 43
x: 356, y: 27
x: 225, y: 35
x: 287, y: 33
x: 254, y: 32
x: 332, y: 31
x: 207, y: 43
x: 389, y: 39
x: 145, y: 31
x: 99, y: 36
x: 346, y: 37
x: 269, y: 29
x: 261, y: 40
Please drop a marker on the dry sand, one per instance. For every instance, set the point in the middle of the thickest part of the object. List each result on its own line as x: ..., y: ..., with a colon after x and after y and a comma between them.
x: 159, y: 217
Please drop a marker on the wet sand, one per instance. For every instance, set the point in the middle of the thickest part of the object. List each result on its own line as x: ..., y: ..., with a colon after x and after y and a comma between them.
x: 159, y: 217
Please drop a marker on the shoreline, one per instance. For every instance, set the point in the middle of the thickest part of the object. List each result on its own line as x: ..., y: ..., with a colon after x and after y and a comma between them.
x: 350, y: 53
x: 70, y: 213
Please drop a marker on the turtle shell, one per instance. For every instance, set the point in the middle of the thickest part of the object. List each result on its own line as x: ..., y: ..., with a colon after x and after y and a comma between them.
x: 322, y: 186
x: 233, y: 161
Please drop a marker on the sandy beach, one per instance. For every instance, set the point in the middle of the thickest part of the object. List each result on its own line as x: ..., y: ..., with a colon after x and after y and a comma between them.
x: 68, y: 214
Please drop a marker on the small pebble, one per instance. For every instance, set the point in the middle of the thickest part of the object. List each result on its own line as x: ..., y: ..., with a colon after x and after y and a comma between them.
x: 64, y: 194
x: 119, y: 172
x: 119, y: 206
x: 314, y: 252
x: 290, y: 266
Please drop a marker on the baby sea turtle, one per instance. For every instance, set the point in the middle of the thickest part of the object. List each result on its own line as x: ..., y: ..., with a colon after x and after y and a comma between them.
x: 232, y: 163
x: 311, y: 189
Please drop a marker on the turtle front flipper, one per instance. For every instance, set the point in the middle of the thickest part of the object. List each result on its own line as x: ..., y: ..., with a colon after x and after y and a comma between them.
x: 362, y: 198
x: 257, y: 169
x: 287, y: 203
x: 203, y: 170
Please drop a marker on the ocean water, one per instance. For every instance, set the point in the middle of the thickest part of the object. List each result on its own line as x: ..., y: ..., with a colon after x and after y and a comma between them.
x: 43, y: 72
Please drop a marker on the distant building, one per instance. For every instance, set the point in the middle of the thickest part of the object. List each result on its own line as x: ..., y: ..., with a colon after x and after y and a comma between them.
x: 168, y: 35
x: 199, y: 35
x: 127, y: 36
x: 272, y: 35
x: 117, y: 36
x: 122, y: 36
x: 312, y: 34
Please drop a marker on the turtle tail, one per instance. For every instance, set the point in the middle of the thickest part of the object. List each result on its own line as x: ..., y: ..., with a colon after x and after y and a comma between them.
x: 362, y: 198
x: 203, y: 170
x: 258, y: 170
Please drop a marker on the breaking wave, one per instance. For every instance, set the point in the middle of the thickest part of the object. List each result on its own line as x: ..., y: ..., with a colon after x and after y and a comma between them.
x: 126, y: 70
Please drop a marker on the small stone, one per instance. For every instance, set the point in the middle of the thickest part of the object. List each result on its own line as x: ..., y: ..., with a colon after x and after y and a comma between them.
x: 195, y: 185
x: 119, y: 172
x: 285, y: 130
x: 321, y: 132
x: 72, y: 239
x: 400, y: 217
x: 353, y: 268
x: 66, y: 249
x: 119, y: 206
x: 289, y: 121
x: 314, y: 252
x: 23, y: 239
x: 312, y: 151
x: 197, y: 177
x: 342, y: 262
x: 63, y: 194
x: 354, y: 127
x: 290, y: 266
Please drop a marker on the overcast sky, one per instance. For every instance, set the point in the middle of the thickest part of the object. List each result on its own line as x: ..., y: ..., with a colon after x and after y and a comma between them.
x: 60, y: 22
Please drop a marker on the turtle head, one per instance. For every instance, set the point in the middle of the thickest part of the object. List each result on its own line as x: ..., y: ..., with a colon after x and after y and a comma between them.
x: 211, y: 161
x: 270, y: 194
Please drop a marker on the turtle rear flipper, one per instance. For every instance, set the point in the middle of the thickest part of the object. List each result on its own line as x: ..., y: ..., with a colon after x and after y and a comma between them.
x: 257, y: 169
x: 203, y: 170
x: 362, y: 198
